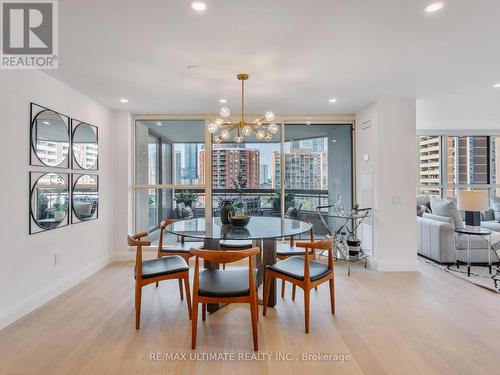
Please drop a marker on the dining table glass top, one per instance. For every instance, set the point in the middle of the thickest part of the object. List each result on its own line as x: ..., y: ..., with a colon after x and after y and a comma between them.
x: 259, y: 227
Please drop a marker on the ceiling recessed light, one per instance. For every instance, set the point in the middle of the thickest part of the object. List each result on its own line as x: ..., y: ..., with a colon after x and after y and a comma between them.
x: 308, y: 122
x: 158, y: 123
x: 497, y: 85
x: 199, y: 6
x: 434, y: 7
x: 124, y: 100
x: 334, y: 141
x: 222, y: 100
x: 333, y: 100
x: 46, y: 123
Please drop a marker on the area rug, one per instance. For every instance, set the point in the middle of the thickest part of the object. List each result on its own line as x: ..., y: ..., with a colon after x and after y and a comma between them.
x: 479, y: 275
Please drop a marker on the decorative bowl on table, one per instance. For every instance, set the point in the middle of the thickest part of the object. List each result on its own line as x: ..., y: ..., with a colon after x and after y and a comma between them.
x: 239, y: 220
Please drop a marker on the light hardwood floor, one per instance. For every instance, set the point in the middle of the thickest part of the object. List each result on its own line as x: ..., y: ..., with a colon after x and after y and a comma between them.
x: 390, y: 323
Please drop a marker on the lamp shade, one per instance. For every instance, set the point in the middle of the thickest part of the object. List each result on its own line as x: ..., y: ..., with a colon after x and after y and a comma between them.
x: 468, y: 200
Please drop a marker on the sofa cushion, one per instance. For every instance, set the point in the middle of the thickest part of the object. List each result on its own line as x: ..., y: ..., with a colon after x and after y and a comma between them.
x: 447, y: 207
x: 488, y: 215
x: 424, y: 200
x: 495, y: 205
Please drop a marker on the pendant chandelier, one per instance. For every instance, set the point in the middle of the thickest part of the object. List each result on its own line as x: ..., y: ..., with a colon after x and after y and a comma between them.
x: 263, y: 128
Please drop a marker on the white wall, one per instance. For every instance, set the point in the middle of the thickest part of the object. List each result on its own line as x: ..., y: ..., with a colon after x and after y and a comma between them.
x: 389, y: 144
x: 27, y: 272
x: 475, y: 112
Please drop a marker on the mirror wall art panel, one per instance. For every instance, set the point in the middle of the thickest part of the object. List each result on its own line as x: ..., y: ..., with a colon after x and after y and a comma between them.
x: 85, y: 145
x: 84, y: 197
x: 49, y: 138
x: 49, y: 201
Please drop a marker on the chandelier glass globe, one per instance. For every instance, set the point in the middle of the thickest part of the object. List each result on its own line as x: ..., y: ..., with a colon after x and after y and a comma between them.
x: 225, y: 112
x: 219, y: 121
x: 269, y: 116
x: 238, y: 139
x: 272, y: 128
x: 225, y: 134
x: 247, y: 131
x: 260, y: 134
x: 212, y: 127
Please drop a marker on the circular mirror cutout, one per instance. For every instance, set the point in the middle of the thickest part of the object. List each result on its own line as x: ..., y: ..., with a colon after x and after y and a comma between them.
x: 50, y: 138
x: 85, y: 197
x: 85, y: 147
x: 49, y: 200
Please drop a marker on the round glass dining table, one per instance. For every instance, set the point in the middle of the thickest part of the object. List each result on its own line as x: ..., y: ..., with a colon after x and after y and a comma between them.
x: 263, y: 231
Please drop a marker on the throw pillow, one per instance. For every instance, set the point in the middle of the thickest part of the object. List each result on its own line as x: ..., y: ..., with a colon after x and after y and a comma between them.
x: 488, y: 215
x: 447, y: 207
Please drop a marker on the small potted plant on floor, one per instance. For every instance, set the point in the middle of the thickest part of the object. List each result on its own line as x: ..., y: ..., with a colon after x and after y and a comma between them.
x: 187, y: 197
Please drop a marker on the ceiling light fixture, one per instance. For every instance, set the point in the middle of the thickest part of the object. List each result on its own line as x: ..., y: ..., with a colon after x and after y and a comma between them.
x: 222, y: 100
x: 308, y: 122
x: 333, y: 100
x: 497, y: 85
x: 124, y: 100
x: 264, y: 128
x: 199, y: 6
x: 434, y: 7
x: 158, y: 123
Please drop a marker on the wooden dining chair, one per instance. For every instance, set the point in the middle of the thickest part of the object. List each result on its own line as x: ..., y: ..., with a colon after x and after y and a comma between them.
x: 234, y: 245
x: 180, y: 248
x: 287, y: 250
x: 304, y: 273
x: 154, y: 271
x: 225, y: 286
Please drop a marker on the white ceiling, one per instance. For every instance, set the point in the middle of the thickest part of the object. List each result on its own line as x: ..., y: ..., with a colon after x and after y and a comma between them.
x: 298, y: 53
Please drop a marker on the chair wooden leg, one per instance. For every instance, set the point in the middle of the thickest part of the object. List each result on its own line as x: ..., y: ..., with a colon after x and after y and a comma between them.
x: 267, y: 290
x: 294, y: 289
x: 180, y: 290
x: 203, y: 311
x: 223, y: 266
x: 306, y: 308
x: 332, y: 295
x: 253, y: 312
x: 283, y: 288
x: 194, y: 322
x: 188, y: 295
x: 138, y: 295
x: 257, y: 302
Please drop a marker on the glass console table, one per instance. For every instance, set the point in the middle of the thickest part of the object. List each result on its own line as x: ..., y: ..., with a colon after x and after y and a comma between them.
x: 347, y: 229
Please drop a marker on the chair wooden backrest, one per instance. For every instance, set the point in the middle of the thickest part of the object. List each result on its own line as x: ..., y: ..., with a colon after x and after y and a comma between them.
x: 135, y: 240
x: 325, y: 244
x: 163, y: 225
x: 311, y: 234
x: 229, y: 256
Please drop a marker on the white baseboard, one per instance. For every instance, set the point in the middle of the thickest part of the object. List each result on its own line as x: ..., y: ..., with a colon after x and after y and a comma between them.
x: 394, y: 265
x: 41, y: 297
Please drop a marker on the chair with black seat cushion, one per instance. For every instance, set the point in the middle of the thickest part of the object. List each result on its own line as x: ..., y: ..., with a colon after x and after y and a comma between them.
x: 154, y: 271
x: 225, y: 286
x: 304, y: 273
x: 286, y: 250
x: 180, y: 248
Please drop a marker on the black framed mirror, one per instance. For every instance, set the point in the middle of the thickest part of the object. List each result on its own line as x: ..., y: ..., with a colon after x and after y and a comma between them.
x: 49, y: 138
x: 85, y: 145
x: 49, y: 201
x: 84, y: 197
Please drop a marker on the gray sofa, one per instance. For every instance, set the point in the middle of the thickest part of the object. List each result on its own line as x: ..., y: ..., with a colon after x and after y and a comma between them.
x: 436, y: 238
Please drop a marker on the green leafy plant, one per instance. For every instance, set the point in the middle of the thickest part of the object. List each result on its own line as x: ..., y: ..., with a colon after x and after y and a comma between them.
x: 355, y: 206
x: 60, y: 207
x: 187, y: 197
x: 240, y: 183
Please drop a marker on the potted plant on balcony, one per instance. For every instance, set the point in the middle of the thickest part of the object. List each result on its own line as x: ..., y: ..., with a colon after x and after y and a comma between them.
x: 276, y: 199
x: 187, y: 197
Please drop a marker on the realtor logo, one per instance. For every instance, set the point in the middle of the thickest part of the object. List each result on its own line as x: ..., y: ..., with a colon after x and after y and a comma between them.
x: 29, y: 34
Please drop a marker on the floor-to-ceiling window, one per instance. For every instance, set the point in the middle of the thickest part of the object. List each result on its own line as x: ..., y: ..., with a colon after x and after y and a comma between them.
x: 168, y: 177
x: 449, y: 163
x: 171, y: 172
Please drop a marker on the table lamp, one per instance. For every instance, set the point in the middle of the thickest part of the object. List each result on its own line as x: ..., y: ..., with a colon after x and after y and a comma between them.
x: 472, y: 202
